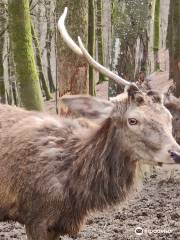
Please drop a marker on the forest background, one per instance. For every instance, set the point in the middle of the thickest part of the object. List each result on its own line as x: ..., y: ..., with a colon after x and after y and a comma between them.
x: 133, y: 38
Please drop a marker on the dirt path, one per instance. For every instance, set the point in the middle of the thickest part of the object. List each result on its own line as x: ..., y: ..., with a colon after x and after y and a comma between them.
x: 155, y: 209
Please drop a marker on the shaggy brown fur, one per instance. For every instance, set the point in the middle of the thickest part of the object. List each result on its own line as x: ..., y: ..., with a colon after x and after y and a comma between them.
x: 53, y: 172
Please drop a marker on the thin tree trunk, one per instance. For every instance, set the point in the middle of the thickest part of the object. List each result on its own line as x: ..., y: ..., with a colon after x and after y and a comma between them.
x: 11, y: 74
x: 173, y: 43
x: 73, y: 72
x: 49, y: 36
x: 156, y: 40
x: 99, y: 36
x: 169, y: 40
x: 40, y: 64
x: 91, y: 45
x: 14, y: 92
x: 50, y: 78
x: 21, y: 38
x: 176, y: 44
x: 2, y: 84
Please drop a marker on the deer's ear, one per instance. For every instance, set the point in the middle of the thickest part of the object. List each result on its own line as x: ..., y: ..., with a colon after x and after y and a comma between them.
x: 87, y: 106
x: 132, y: 90
x: 135, y: 94
x: 156, y: 97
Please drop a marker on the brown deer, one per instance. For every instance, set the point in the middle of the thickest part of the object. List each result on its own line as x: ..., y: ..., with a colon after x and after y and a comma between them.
x: 53, y: 171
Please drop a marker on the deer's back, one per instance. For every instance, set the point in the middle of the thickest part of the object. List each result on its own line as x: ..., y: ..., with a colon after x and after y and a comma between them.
x: 35, y: 154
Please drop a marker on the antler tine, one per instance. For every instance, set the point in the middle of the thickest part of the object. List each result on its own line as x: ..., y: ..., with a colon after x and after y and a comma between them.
x: 101, y: 68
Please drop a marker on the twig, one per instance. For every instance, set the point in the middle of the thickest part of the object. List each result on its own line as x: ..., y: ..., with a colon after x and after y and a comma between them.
x: 34, y: 6
x: 3, y: 31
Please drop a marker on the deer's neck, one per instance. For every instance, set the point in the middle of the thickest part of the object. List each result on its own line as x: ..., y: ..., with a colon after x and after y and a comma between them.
x: 104, y: 171
x: 100, y: 175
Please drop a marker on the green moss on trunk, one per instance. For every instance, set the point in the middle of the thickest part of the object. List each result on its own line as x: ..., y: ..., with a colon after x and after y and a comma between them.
x: 21, y: 38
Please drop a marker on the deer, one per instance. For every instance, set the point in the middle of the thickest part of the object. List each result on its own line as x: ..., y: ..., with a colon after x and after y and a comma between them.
x: 159, y: 82
x: 55, y: 171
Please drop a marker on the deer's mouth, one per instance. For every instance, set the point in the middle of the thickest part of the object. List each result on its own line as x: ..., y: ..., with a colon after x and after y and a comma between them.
x: 175, y: 156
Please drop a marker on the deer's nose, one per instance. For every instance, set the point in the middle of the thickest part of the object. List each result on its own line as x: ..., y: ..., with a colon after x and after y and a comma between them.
x: 175, y: 156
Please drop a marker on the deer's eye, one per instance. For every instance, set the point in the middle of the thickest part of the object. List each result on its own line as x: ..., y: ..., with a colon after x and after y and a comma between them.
x: 132, y: 121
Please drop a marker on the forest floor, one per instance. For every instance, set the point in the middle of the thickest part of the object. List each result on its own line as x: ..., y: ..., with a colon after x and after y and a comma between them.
x: 154, y: 209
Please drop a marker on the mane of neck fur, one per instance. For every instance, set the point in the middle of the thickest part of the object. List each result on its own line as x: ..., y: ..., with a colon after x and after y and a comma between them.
x: 102, y: 174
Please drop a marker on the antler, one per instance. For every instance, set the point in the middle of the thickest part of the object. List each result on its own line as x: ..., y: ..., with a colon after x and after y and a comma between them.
x: 81, y: 51
x: 65, y: 35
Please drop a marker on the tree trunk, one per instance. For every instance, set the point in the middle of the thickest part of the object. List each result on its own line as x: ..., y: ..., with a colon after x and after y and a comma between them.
x: 42, y: 78
x: 173, y: 43
x: 2, y: 85
x: 91, y: 45
x: 12, y: 98
x: 48, y: 49
x: 21, y: 38
x: 73, y: 72
x: 169, y: 40
x: 176, y: 44
x: 156, y: 41
x: 49, y: 39
x: 99, y: 36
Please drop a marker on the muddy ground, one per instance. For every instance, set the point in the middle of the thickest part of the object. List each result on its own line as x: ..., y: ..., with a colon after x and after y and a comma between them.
x: 155, y: 208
